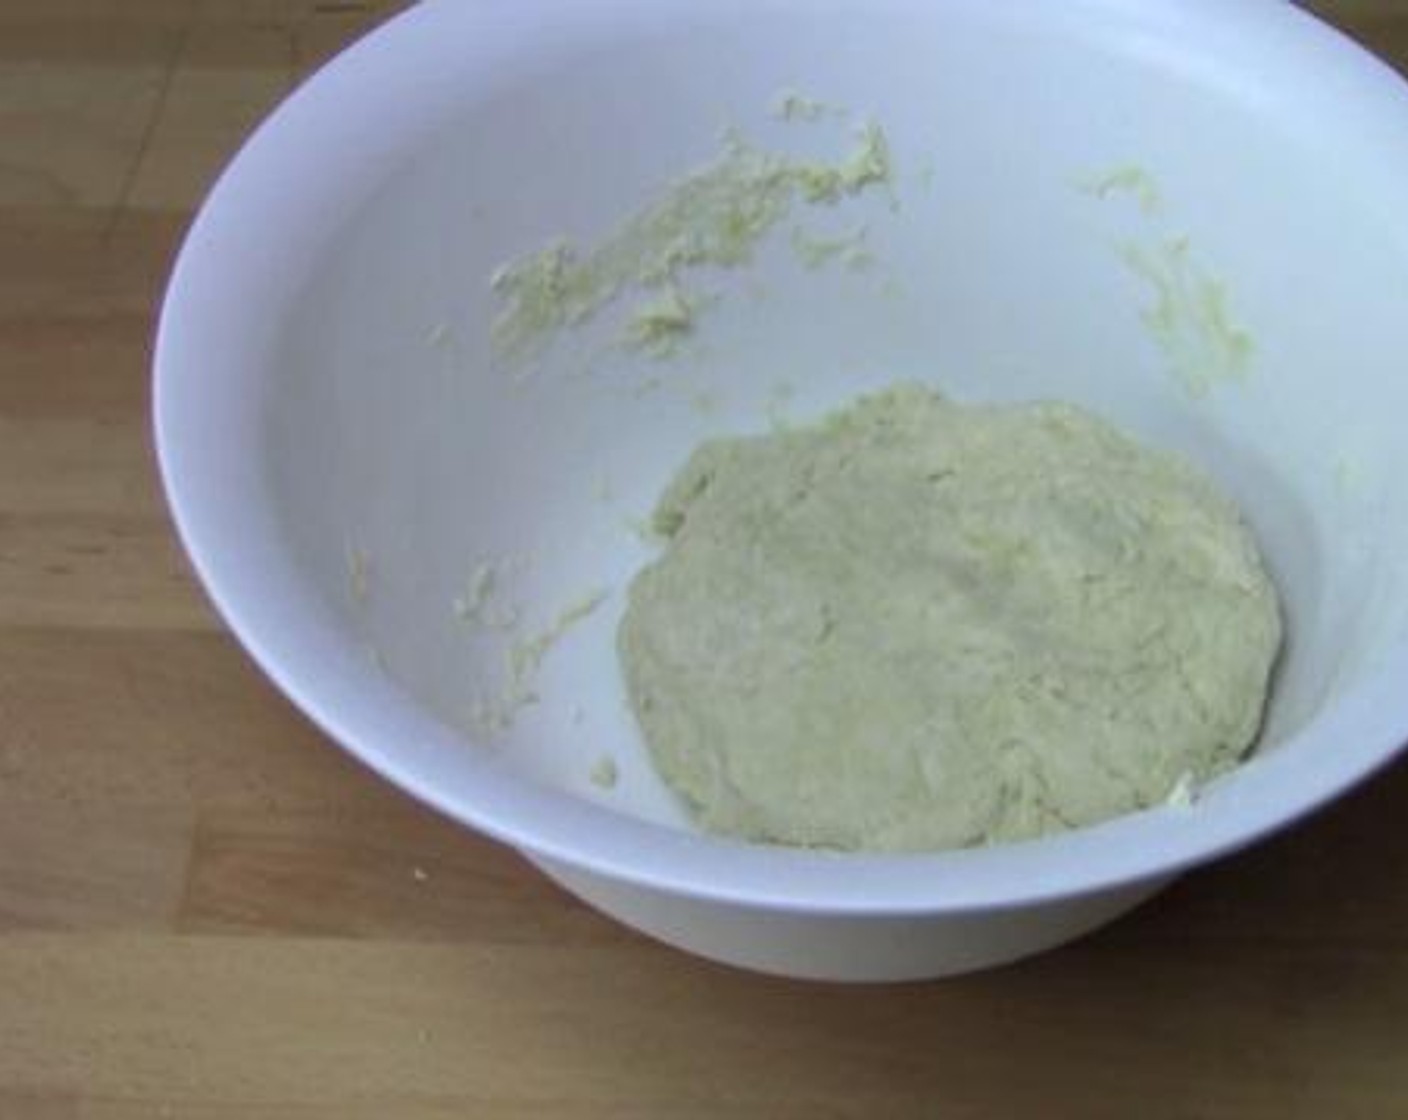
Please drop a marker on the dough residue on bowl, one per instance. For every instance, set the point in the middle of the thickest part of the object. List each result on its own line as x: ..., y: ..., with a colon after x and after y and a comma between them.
x: 921, y: 625
x: 1188, y: 311
x: 480, y: 608
x: 712, y: 218
x: 1190, y: 318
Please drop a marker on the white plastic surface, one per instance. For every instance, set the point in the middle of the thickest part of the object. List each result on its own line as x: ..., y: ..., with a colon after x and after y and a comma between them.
x: 855, y: 948
x: 342, y: 452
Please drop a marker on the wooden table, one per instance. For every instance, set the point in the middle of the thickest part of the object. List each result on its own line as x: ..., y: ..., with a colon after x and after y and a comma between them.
x: 206, y: 911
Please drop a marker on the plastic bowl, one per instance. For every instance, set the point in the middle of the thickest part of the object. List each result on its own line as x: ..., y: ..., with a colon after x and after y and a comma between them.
x: 341, y: 449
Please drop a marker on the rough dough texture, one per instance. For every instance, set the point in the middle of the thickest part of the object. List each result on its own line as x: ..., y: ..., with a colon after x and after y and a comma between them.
x: 922, y: 625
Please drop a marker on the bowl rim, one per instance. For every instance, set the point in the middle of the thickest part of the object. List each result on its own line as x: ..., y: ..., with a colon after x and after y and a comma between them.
x: 203, y: 430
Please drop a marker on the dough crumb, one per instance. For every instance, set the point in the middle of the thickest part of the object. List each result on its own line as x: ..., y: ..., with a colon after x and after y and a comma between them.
x: 605, y: 774
x: 469, y: 607
x: 1130, y: 180
x: 849, y: 250
x: 660, y: 325
x: 1184, y: 792
x: 789, y: 105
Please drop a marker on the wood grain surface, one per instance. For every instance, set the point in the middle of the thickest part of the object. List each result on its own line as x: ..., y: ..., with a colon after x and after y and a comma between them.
x: 206, y: 911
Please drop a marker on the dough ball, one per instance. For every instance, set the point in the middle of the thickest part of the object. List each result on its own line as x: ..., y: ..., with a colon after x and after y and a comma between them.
x: 921, y: 625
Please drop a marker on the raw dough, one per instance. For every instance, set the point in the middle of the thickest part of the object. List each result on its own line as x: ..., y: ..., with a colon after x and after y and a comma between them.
x: 921, y: 625
x: 713, y: 218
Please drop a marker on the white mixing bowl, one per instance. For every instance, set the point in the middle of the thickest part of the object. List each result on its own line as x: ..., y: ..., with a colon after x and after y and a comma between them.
x: 342, y: 450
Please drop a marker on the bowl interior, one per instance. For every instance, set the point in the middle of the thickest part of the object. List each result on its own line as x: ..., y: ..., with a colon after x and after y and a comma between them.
x: 1091, y: 201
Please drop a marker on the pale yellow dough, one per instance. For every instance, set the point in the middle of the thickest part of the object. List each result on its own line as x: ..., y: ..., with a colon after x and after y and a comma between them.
x: 921, y: 625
